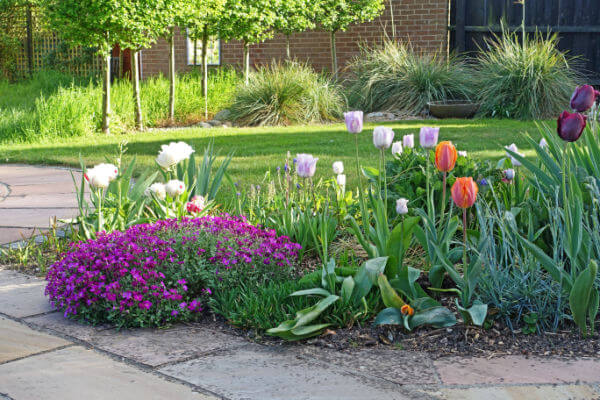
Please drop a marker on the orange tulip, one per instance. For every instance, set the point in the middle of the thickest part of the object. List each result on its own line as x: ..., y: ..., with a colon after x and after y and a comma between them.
x: 445, y: 156
x: 407, y: 310
x: 464, y: 192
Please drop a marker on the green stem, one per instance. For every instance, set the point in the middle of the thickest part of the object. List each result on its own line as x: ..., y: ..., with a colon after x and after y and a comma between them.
x: 443, y: 199
x: 364, y: 218
x: 465, y: 266
x: 429, y: 206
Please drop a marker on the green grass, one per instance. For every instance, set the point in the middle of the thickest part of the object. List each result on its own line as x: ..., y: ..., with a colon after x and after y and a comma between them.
x: 260, y: 149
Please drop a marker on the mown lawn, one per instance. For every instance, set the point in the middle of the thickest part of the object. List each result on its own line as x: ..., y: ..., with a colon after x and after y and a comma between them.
x: 257, y: 150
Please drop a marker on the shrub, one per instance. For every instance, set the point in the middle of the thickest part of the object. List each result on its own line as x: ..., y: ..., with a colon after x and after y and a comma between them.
x: 284, y: 94
x: 534, y: 80
x: 155, y: 274
x: 395, y: 77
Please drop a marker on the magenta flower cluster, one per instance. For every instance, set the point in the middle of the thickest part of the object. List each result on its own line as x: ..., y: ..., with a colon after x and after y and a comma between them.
x: 145, y: 275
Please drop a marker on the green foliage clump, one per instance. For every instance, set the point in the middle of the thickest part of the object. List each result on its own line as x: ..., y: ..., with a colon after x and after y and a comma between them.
x: 530, y: 80
x: 393, y: 76
x: 284, y: 94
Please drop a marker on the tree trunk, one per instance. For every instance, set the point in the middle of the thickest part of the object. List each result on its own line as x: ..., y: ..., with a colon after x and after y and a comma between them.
x: 106, y: 94
x: 288, y: 52
x: 195, y: 52
x: 246, y: 62
x: 392, y: 20
x: 135, y: 80
x: 334, y: 63
x: 172, y: 74
x: 205, y: 69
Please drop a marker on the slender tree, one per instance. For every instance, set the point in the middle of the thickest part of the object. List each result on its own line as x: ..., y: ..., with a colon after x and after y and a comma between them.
x: 294, y: 16
x: 337, y: 15
x: 202, y: 22
x: 251, y: 22
x: 90, y: 23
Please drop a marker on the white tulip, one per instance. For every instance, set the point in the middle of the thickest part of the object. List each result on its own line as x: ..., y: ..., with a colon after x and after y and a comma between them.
x: 462, y: 153
x: 543, y: 144
x: 101, y: 175
x: 383, y: 137
x: 338, y: 167
x: 402, y: 206
x: 514, y: 149
x: 397, y: 148
x: 173, y: 153
x: 408, y: 141
x: 175, y: 188
x: 341, y: 181
x: 158, y: 190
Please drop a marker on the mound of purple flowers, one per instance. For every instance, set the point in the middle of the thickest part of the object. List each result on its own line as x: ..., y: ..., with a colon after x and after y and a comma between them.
x: 154, y: 274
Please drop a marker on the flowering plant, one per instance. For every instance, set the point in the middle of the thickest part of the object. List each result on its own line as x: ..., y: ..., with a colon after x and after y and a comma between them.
x: 156, y: 274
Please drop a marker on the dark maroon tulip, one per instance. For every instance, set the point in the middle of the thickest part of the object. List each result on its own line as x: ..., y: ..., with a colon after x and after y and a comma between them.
x: 583, y: 98
x: 570, y: 126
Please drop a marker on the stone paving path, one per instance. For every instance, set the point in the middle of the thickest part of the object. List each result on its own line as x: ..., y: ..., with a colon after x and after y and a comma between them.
x: 45, y: 356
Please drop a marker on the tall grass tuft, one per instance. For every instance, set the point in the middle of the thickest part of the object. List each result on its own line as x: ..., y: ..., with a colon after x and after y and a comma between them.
x: 525, y: 81
x: 52, y: 105
x: 284, y: 94
x: 395, y: 77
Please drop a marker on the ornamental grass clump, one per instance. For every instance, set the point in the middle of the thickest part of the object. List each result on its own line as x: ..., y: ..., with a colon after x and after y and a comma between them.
x: 285, y: 94
x: 157, y: 274
x: 395, y: 77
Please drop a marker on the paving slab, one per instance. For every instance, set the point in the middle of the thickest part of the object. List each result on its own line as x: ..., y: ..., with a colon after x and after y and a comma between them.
x: 58, y: 323
x: 516, y: 369
x: 9, y: 235
x: 257, y: 372
x: 47, y: 188
x: 33, y: 217
x: 40, y: 200
x: 21, y: 295
x: 155, y: 347
x: 75, y: 373
x: 18, y: 340
x: 398, y: 366
x: 529, y: 392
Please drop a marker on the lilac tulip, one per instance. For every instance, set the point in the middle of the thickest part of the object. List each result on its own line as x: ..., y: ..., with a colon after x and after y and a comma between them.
x: 509, y: 174
x: 583, y: 98
x: 383, y: 137
x: 408, y: 141
x: 306, y: 165
x: 354, y: 121
x: 570, y: 126
x: 513, y: 147
x: 428, y: 137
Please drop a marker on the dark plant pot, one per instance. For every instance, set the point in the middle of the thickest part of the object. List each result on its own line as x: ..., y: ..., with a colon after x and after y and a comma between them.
x: 453, y: 108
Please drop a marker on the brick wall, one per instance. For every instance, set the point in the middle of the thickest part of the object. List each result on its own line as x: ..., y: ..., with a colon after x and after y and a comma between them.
x: 422, y: 22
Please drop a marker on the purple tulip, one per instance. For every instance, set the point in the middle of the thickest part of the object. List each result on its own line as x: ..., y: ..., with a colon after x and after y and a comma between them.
x: 354, y: 121
x: 570, y: 126
x: 583, y: 98
x: 428, y: 137
x: 383, y: 137
x: 306, y: 166
x: 408, y: 141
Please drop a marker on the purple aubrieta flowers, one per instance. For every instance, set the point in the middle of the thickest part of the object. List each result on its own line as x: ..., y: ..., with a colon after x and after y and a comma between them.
x: 140, y: 276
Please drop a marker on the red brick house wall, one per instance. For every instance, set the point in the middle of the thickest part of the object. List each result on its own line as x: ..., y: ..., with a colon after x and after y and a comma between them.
x: 424, y: 23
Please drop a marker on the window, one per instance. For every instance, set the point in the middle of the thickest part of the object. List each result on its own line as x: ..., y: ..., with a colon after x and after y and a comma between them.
x: 194, y: 51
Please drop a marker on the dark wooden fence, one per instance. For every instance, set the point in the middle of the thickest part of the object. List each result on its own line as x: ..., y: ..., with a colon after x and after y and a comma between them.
x: 576, y: 21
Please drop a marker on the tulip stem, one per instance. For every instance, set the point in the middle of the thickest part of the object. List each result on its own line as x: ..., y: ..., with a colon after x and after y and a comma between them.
x: 464, y: 240
x: 364, y: 218
x: 443, y: 199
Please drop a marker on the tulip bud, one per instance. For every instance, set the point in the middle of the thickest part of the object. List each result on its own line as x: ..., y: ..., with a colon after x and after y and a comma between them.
x: 509, y: 174
x: 156, y: 189
x: 428, y: 137
x: 402, y: 206
x: 195, y: 205
x: 354, y: 121
x: 175, y: 188
x: 338, y: 167
x: 583, y: 98
x: 408, y: 141
x: 306, y: 165
x: 383, y: 137
x: 464, y: 192
x: 445, y: 156
x: 543, y: 144
x: 513, y: 147
x: 570, y: 126
x: 397, y: 148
